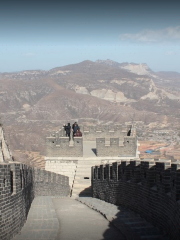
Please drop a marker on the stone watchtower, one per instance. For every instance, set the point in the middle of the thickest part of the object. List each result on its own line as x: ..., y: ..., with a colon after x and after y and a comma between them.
x: 98, y: 145
x: 110, y: 141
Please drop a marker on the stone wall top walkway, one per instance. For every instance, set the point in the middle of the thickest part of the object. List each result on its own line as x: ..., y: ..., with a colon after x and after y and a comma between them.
x: 42, y: 221
x: 63, y: 218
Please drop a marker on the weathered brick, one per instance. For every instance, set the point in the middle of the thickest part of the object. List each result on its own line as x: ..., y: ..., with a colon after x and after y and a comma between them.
x: 15, y: 202
x: 155, y: 196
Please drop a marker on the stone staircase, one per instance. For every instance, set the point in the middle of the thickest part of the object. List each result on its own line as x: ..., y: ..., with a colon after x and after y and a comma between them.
x: 82, y: 182
x: 81, y: 185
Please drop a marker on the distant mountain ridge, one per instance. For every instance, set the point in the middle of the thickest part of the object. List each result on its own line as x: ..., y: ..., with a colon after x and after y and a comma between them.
x: 104, y: 79
x: 139, y: 69
x: 125, y: 65
x: 38, y: 101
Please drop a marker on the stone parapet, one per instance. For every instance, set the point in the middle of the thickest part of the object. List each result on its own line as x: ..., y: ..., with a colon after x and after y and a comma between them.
x: 58, y: 134
x: 65, y: 167
x: 116, y: 148
x: 19, y: 184
x: 60, y: 146
x: 148, y: 187
x: 90, y: 133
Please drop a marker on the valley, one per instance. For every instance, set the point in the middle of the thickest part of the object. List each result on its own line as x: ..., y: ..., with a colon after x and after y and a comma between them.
x: 34, y: 103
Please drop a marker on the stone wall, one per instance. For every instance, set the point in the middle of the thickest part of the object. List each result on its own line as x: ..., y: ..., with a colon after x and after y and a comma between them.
x: 58, y: 145
x: 90, y: 133
x: 60, y: 133
x: 5, y: 154
x: 61, y: 147
x: 126, y: 148
x: 149, y: 187
x: 66, y: 167
x: 48, y: 183
x: 19, y: 184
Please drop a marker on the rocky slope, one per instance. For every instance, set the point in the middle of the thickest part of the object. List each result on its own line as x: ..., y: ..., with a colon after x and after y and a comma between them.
x: 32, y: 103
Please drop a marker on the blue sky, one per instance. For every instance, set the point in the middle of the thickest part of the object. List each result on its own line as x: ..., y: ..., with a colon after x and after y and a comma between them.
x: 43, y: 35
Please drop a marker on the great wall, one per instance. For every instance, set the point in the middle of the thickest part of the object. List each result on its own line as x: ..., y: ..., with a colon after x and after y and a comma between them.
x: 103, y: 164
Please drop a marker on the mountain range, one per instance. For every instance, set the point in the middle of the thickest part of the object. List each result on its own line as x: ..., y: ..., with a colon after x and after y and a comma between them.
x: 35, y: 102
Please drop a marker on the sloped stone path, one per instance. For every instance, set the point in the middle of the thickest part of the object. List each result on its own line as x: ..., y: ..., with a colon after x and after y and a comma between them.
x: 42, y: 221
x: 64, y: 218
x: 79, y: 222
x: 130, y: 224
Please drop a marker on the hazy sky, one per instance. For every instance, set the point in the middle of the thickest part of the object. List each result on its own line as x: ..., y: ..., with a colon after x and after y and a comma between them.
x: 47, y: 34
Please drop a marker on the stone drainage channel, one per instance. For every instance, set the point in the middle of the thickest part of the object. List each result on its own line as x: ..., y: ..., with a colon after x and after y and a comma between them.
x: 65, y: 218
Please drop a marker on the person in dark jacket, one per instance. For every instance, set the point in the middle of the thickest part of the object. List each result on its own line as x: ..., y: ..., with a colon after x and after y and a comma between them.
x: 129, y: 132
x: 75, y: 127
x: 68, y: 130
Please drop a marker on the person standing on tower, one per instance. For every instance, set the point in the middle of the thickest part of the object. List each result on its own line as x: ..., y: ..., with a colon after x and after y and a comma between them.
x: 75, y: 127
x: 68, y: 130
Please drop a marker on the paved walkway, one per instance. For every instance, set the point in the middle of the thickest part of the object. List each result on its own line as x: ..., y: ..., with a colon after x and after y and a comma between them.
x: 42, y: 221
x: 64, y: 218
x: 79, y: 222
x: 132, y: 225
x: 52, y: 218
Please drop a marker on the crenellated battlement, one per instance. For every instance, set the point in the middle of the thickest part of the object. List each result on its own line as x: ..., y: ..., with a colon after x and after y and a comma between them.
x: 119, y: 142
x: 156, y: 174
x: 150, y: 187
x: 60, y: 146
x: 58, y: 134
x: 127, y: 147
x: 90, y: 133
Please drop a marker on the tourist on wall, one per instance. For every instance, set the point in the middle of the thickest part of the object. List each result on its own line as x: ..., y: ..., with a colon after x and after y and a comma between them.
x: 68, y: 130
x: 78, y: 133
x: 129, y: 132
x: 75, y: 127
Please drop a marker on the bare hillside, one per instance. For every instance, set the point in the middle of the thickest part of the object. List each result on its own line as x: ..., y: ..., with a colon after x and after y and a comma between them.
x: 33, y: 103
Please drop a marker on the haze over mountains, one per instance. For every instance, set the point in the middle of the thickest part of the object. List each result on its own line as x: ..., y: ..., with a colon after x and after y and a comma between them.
x: 32, y: 103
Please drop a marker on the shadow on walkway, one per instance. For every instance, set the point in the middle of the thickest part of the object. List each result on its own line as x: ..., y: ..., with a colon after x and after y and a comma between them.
x: 79, y: 222
x: 87, y: 192
x: 129, y: 223
x: 134, y: 227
